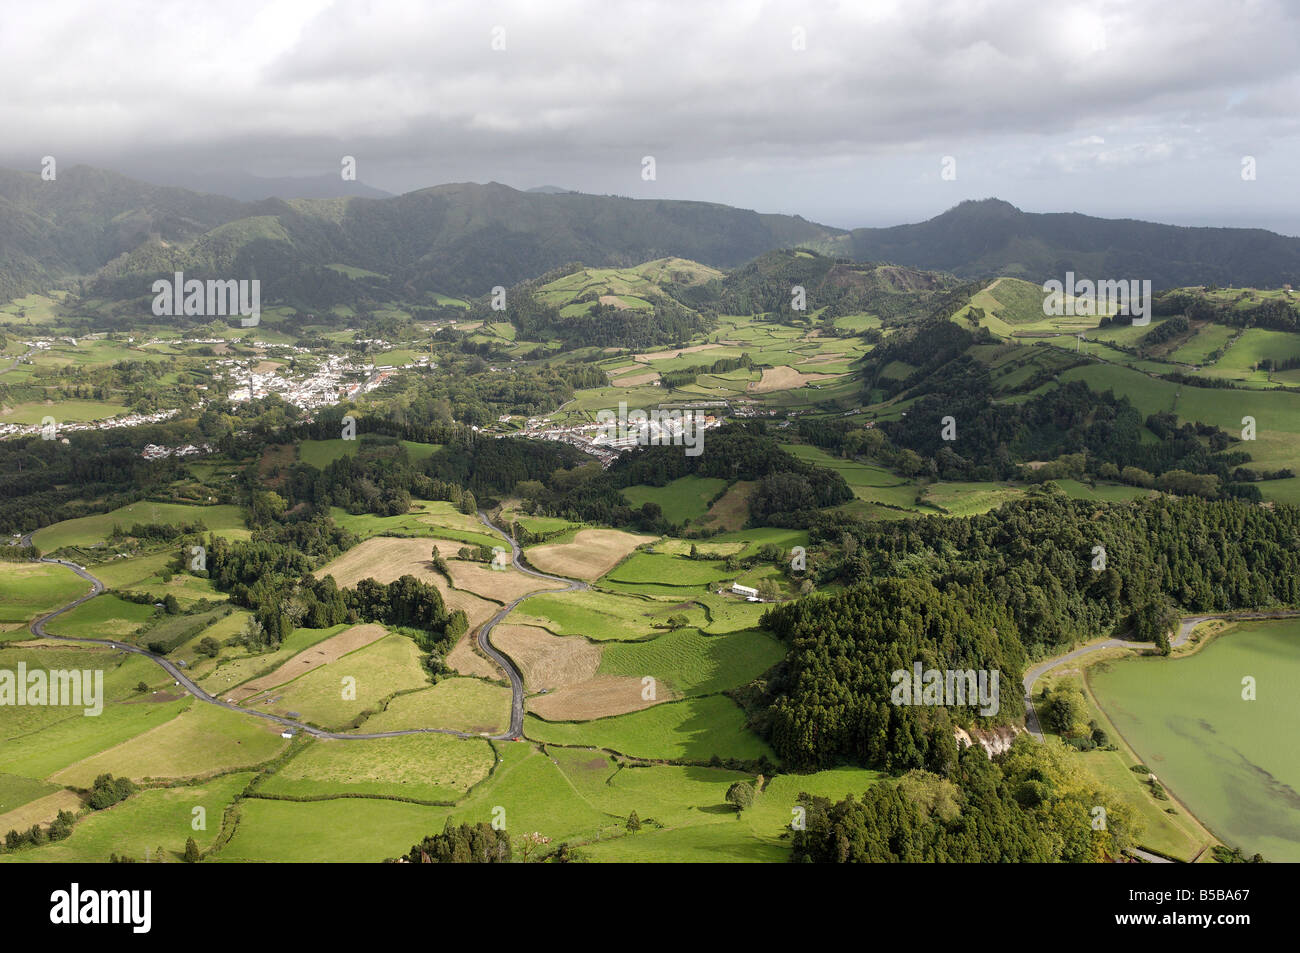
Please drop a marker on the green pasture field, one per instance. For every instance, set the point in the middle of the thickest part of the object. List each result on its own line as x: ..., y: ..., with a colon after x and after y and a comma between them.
x: 855, y: 474
x: 857, y: 322
x: 541, y: 525
x: 1125, y: 334
x: 32, y: 309
x: 461, y: 704
x: 694, y: 729
x: 201, y: 740
x: 419, y: 451
x: 685, y: 817
x: 326, y: 831
x: 969, y: 499
x: 429, y: 767
x: 668, y: 794
x: 321, y: 453
x: 727, y: 840
x: 703, y: 547
x: 70, y: 411
x: 366, y: 525
x: 758, y: 537
x: 870, y: 483
x: 170, y: 630
x: 91, y: 354
x: 146, y: 821
x: 1207, y: 339
x: 682, y: 500
x: 691, y: 663
x: 1277, y: 414
x: 660, y: 569
x: 1009, y: 303
x: 1281, y: 491
x: 223, y: 520
x: 29, y: 590
x: 1242, y: 360
x: 603, y: 616
x: 42, y: 740
x: 380, y: 669
x: 1104, y: 492
x: 426, y: 518
x: 15, y: 791
x: 103, y: 617
x: 728, y: 613
x: 224, y: 627
x: 354, y: 272
x: 234, y: 671
x: 709, y: 832
x: 145, y: 572
x: 527, y: 787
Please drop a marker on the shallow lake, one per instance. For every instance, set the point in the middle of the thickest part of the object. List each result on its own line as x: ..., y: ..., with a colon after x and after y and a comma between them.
x: 1234, y: 763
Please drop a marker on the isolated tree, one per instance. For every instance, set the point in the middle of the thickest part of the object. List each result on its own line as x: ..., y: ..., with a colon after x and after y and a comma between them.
x: 633, y: 822
x: 740, y: 795
x: 191, y: 851
x: 1065, y: 710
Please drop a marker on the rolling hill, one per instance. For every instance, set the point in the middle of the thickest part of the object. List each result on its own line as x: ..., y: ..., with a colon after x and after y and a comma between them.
x: 461, y: 238
x: 116, y: 235
x: 990, y: 237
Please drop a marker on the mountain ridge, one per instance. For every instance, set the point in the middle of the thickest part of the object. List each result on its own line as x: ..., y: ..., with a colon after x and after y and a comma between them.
x: 114, y: 234
x: 991, y: 237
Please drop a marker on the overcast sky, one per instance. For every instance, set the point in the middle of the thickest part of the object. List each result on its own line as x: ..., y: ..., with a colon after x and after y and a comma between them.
x: 1141, y: 110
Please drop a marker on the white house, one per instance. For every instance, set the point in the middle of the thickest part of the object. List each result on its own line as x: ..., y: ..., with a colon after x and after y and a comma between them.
x: 748, y: 592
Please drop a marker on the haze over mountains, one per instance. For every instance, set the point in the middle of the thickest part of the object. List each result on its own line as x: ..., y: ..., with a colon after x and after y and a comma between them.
x: 464, y: 238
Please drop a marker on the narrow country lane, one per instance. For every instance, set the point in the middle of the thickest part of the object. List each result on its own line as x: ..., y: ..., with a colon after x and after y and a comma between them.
x: 514, y: 731
x: 485, y: 631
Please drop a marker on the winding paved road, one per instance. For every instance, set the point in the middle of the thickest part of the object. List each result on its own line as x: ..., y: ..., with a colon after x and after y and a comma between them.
x: 485, y: 630
x: 514, y: 732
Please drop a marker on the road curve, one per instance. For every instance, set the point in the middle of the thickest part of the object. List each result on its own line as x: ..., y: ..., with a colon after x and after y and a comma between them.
x: 514, y: 732
x: 506, y: 664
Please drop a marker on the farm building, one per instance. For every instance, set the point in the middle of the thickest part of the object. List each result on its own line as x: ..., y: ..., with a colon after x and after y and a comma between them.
x: 748, y: 592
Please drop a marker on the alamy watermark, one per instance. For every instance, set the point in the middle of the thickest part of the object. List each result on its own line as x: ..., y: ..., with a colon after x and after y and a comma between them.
x: 82, y: 688
x: 131, y: 908
x: 653, y: 428
x: 1085, y: 298
x: 946, y: 687
x: 211, y: 298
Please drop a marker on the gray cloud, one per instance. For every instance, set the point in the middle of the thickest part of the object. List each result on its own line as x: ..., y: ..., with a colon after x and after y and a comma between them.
x: 1104, y: 107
